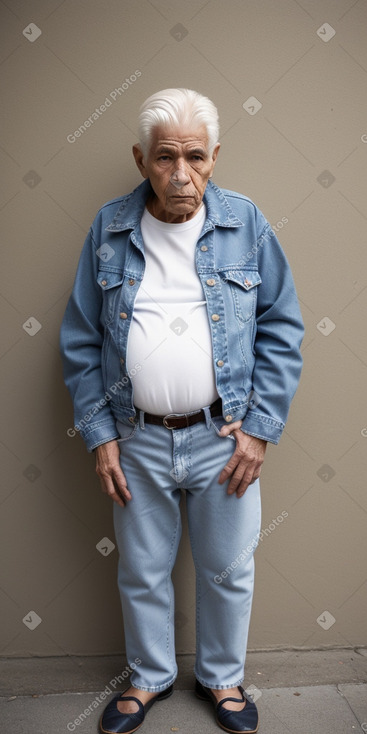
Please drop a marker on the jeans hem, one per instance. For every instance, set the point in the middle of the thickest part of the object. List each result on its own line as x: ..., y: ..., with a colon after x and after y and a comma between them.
x: 154, y: 689
x: 218, y: 687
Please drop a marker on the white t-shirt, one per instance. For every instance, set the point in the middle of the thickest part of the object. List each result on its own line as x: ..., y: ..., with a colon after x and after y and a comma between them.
x: 170, y: 334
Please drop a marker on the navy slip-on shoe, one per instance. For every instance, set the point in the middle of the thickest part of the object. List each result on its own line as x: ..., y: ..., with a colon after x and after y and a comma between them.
x: 245, y: 721
x: 113, y: 721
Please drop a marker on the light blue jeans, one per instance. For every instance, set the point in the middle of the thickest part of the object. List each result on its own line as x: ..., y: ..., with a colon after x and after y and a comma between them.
x: 158, y: 463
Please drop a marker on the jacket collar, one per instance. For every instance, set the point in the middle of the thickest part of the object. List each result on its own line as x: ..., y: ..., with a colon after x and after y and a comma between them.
x: 130, y: 211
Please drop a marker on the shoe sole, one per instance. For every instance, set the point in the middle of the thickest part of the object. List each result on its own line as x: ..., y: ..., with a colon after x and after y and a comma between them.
x: 207, y: 699
x: 107, y: 731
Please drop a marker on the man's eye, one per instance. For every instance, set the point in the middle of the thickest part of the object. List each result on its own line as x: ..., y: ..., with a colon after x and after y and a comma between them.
x: 163, y: 158
x: 197, y: 157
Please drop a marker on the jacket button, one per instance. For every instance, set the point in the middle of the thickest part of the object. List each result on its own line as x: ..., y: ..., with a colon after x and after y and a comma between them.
x: 103, y: 282
x: 220, y: 363
x: 228, y: 418
x: 131, y: 281
x: 123, y: 315
x: 203, y: 248
x: 215, y: 317
x: 132, y: 419
x: 210, y: 281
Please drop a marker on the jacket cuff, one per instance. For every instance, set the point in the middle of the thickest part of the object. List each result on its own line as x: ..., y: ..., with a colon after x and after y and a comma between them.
x: 261, y: 426
x: 100, y: 432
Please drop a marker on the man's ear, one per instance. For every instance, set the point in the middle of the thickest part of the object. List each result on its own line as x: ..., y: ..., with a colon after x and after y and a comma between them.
x: 215, y: 152
x: 214, y: 155
x: 139, y: 160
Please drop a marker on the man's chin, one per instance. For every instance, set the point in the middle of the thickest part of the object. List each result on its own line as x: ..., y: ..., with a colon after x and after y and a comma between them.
x: 180, y: 203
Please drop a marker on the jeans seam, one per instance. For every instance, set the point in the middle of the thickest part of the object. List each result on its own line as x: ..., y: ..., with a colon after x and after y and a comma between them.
x: 198, y: 589
x: 170, y: 594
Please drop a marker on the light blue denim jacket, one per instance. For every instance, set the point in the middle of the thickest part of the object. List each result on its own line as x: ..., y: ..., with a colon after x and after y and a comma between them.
x: 253, y: 312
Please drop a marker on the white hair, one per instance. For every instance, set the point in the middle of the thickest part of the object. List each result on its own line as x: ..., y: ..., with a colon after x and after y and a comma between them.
x: 175, y: 107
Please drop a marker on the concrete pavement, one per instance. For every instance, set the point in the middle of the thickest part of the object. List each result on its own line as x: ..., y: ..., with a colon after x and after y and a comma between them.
x: 303, y: 692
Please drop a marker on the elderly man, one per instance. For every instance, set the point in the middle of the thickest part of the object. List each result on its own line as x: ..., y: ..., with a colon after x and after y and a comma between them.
x: 181, y: 348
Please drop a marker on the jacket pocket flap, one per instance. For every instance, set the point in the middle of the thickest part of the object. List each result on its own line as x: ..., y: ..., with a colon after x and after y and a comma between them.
x: 109, y: 279
x: 247, y: 279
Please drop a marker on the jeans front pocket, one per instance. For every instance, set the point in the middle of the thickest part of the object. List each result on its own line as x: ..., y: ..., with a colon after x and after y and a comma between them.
x: 126, y: 431
x: 217, y: 423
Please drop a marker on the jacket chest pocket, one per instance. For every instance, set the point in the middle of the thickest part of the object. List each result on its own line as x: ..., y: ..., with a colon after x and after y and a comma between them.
x: 243, y: 288
x: 110, y: 282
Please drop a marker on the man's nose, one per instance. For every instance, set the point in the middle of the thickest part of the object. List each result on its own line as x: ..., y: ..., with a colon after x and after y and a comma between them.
x: 180, y: 178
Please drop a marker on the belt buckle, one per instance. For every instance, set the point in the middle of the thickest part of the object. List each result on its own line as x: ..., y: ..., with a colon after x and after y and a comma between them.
x: 164, y: 419
x: 179, y: 415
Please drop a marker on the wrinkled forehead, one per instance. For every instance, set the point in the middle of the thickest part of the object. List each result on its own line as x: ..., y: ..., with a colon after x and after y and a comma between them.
x: 179, y: 137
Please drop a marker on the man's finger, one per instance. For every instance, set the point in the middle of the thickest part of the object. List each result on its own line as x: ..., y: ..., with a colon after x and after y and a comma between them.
x: 246, y: 481
x: 114, y: 484
x: 226, y: 430
x: 121, y: 485
x: 236, y: 480
x: 242, y: 477
x: 121, y: 490
x: 108, y: 488
x: 227, y: 470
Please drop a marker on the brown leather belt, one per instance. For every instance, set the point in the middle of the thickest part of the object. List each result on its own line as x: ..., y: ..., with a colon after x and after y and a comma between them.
x: 183, y: 420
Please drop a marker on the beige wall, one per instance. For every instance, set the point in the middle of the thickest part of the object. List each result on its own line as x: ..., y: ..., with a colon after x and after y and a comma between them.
x: 313, y: 119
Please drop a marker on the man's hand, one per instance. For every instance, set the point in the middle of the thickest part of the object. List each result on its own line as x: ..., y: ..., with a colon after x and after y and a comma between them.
x: 244, y: 465
x: 112, y: 477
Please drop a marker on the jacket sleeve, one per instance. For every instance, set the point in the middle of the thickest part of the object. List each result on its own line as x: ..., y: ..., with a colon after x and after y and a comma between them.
x: 277, y: 340
x: 81, y: 339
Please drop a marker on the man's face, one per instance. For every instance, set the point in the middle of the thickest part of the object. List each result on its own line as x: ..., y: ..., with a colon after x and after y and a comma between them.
x: 178, y: 166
